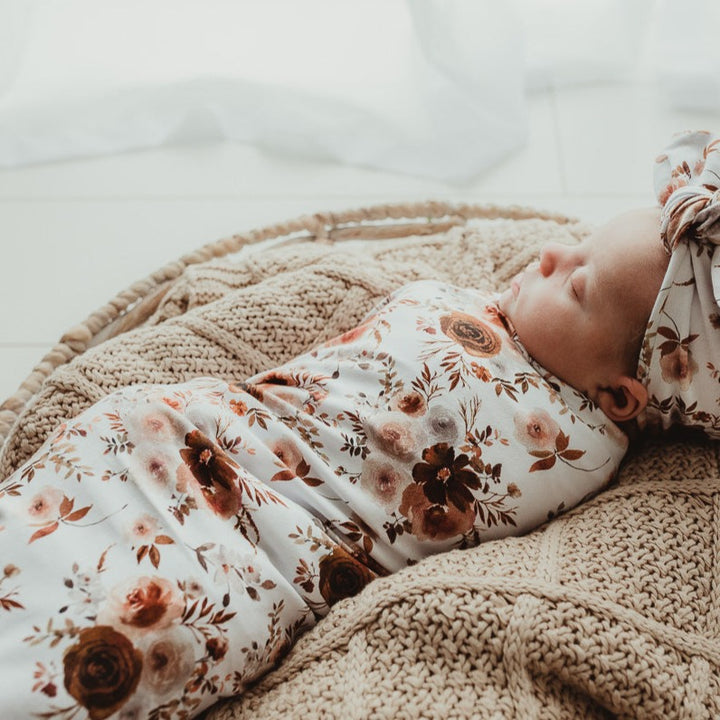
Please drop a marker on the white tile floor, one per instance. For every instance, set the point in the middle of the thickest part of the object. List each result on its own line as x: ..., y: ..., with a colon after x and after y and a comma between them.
x: 74, y: 234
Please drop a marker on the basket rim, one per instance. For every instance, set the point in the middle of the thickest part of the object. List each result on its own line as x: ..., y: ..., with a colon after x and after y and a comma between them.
x: 428, y: 217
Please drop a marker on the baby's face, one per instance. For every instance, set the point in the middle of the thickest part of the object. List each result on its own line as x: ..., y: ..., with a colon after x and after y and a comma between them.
x: 581, y: 308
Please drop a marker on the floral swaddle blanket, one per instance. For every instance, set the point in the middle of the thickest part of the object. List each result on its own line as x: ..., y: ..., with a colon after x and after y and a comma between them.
x: 165, y: 548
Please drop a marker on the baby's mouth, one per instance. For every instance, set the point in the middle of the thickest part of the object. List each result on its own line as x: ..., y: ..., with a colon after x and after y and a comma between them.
x: 516, y: 282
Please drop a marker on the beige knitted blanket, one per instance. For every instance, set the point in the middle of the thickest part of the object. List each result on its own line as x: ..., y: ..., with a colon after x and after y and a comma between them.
x: 612, y: 609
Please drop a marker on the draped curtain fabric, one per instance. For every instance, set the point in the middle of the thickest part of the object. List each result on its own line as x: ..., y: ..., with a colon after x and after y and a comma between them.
x: 435, y: 88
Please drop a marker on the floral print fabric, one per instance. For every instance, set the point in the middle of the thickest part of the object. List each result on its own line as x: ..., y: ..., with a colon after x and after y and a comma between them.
x: 680, y: 358
x: 167, y: 546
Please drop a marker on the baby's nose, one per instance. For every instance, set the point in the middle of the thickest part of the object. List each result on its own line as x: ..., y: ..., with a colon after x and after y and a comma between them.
x: 552, y: 256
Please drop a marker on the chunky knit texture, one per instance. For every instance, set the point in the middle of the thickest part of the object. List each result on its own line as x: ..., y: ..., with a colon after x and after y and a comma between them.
x: 610, y: 610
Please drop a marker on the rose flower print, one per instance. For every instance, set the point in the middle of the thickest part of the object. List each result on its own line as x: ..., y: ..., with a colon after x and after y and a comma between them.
x: 384, y: 481
x: 45, y: 504
x: 273, y: 516
x: 679, y: 367
x: 287, y: 452
x: 395, y: 434
x: 216, y: 648
x: 168, y: 662
x: 475, y: 336
x: 536, y: 430
x: 677, y: 364
x: 101, y: 670
x: 446, y: 479
x: 213, y: 472
x: 543, y: 438
x: 442, y: 425
x: 142, y: 604
x: 439, y: 504
x: 157, y: 424
x: 432, y: 521
x: 158, y: 468
x: 208, y: 463
x: 342, y: 576
x: 411, y: 403
x: 143, y: 529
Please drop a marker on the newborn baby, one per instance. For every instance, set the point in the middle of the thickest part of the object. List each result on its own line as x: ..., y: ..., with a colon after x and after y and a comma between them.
x: 581, y: 311
x: 635, y: 326
x: 166, y: 547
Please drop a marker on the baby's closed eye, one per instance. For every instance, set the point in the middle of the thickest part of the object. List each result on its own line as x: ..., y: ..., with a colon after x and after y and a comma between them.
x: 574, y: 288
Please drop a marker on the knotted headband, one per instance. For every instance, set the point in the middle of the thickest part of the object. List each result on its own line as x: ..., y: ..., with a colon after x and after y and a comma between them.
x: 680, y: 359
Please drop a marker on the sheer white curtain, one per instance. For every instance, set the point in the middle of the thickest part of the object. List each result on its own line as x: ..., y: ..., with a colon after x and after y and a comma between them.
x: 435, y: 88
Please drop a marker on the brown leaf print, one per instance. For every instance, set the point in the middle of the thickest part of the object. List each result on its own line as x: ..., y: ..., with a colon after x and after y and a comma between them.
x: 545, y: 464
x: 102, y: 670
x: 43, y: 532
x: 350, y: 335
x: 561, y: 452
x: 481, y: 372
x: 561, y: 441
x: 670, y: 188
x: 6, y: 601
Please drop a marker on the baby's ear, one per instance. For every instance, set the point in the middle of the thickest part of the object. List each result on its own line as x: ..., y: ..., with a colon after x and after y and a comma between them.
x: 625, y: 399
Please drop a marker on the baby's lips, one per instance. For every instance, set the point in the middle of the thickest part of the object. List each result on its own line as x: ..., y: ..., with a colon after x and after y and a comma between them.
x: 516, y: 282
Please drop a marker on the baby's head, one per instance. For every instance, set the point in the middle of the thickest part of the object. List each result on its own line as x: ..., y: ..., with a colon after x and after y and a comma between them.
x: 581, y: 310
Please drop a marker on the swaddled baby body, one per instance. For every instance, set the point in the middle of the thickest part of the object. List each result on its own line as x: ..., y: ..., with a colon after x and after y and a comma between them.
x: 165, y: 547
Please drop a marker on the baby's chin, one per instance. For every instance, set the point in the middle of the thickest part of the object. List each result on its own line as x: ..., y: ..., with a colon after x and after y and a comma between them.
x: 505, y: 302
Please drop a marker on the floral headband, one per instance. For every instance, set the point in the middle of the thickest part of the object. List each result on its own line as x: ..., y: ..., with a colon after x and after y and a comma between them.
x: 680, y: 358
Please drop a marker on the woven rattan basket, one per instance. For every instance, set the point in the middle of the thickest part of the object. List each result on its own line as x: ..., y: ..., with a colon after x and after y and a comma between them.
x: 131, y: 307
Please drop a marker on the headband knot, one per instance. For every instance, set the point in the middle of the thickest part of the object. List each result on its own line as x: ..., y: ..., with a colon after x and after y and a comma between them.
x: 691, y: 212
x: 687, y: 182
x: 680, y: 359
